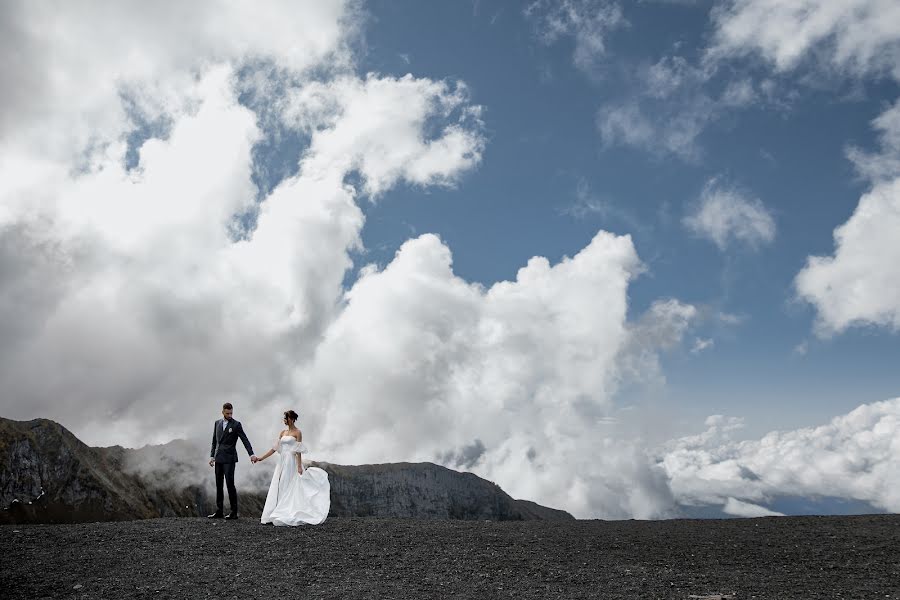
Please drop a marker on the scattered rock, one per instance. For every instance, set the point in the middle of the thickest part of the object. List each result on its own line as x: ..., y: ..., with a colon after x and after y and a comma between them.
x: 784, y: 557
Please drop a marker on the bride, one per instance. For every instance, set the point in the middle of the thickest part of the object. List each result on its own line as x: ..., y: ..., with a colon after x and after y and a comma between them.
x: 296, y: 495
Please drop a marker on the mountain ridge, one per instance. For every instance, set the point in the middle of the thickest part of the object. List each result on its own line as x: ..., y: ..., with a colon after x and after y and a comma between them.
x: 48, y: 475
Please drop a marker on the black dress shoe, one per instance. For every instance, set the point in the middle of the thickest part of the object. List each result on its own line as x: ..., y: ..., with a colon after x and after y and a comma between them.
x: 231, y: 516
x: 216, y: 515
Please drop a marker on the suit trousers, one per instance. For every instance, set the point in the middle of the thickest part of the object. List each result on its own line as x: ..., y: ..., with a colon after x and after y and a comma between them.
x: 226, y: 471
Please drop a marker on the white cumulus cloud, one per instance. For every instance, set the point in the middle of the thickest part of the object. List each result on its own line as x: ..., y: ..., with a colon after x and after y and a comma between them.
x: 726, y: 215
x: 854, y: 36
x: 860, y: 284
x: 884, y: 164
x: 672, y: 103
x: 589, y: 22
x: 393, y: 146
x: 75, y: 63
x: 701, y: 344
x: 525, y: 369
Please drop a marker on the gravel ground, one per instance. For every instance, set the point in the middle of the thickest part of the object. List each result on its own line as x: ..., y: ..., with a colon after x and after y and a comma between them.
x: 788, y: 557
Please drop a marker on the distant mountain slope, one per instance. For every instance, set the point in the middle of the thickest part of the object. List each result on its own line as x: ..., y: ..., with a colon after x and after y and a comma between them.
x: 425, y: 490
x: 49, y: 475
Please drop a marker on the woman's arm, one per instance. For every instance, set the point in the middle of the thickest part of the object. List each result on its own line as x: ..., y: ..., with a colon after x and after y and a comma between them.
x: 272, y: 449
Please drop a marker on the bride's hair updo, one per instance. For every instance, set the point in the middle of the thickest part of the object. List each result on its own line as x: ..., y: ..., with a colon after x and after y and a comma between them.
x: 290, y: 415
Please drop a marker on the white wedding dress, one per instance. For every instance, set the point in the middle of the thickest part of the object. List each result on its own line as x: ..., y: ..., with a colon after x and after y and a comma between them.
x: 296, y: 499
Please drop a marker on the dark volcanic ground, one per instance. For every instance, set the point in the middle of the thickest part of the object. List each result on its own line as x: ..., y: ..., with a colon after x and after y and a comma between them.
x: 787, y: 557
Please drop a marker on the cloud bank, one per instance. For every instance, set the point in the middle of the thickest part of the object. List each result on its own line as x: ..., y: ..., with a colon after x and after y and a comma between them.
x: 148, y: 290
x: 852, y: 457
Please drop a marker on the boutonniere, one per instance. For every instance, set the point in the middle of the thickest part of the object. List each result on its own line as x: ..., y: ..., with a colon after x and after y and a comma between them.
x: 229, y: 430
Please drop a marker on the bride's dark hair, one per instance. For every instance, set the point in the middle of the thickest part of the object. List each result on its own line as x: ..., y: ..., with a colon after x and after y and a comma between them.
x: 290, y: 415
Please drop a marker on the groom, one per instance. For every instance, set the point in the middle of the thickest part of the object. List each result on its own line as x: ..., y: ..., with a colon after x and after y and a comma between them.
x: 223, y: 455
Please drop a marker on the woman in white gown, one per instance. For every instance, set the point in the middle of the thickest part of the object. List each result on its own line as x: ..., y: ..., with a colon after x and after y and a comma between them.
x: 296, y: 496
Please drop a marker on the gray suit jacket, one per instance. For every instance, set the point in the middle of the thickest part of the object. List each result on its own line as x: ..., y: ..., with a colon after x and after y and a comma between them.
x: 224, y: 442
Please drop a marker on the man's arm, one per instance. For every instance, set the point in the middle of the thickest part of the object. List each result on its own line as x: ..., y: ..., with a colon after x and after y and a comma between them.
x: 212, y: 449
x: 243, y: 436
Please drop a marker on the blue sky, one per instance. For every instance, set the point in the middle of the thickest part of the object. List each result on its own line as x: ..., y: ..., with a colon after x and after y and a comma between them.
x: 543, y: 145
x: 584, y: 249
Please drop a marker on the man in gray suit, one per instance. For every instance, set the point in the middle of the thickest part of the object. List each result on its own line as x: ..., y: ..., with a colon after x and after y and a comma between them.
x: 223, y: 455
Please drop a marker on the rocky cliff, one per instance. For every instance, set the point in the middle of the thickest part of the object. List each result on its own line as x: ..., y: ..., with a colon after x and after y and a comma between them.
x: 48, y: 475
x: 424, y: 490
